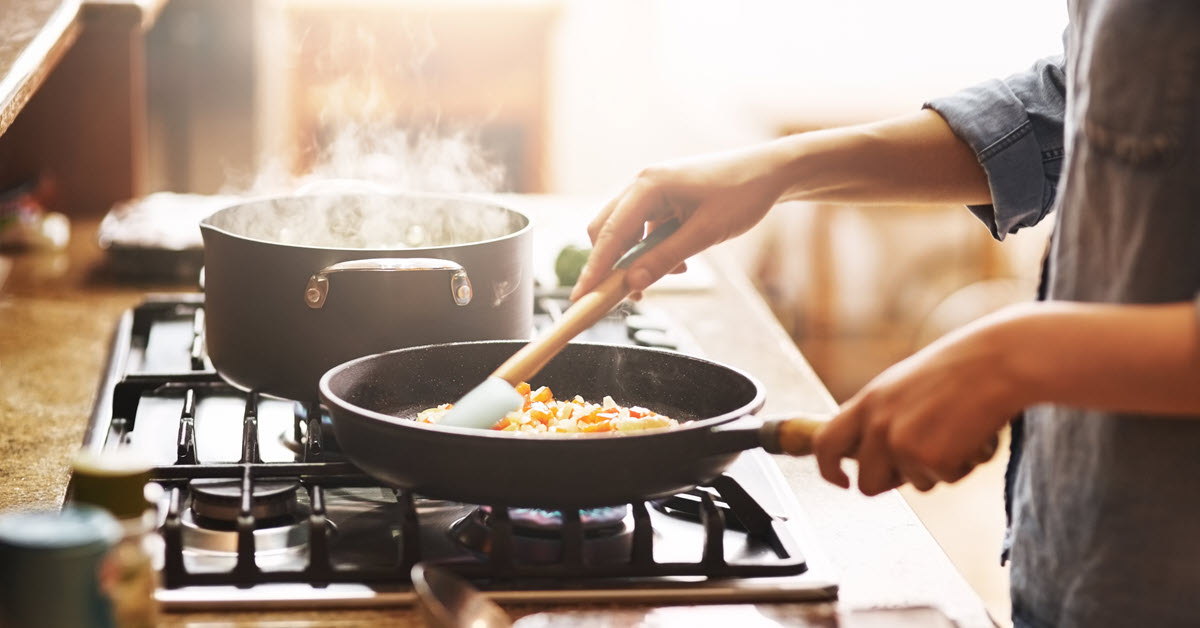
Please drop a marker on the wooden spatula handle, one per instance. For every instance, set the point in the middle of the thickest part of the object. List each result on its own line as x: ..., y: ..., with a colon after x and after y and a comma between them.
x: 584, y: 313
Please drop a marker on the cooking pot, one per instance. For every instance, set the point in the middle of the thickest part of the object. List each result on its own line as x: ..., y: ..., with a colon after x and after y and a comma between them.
x: 295, y: 285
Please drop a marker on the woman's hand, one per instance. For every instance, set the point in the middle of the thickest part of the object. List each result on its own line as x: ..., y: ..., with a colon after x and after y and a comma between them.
x: 715, y: 197
x: 932, y: 417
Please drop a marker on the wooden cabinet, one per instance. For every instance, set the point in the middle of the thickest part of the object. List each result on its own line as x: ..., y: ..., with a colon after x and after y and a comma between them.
x: 72, y: 98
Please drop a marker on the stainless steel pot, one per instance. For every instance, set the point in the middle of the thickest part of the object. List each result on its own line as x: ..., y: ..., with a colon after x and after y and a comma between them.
x: 298, y: 284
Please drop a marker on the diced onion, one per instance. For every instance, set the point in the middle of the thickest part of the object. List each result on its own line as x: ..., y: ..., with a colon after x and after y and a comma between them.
x: 548, y: 416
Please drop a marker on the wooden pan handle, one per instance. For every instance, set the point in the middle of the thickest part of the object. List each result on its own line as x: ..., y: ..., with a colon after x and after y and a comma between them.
x: 794, y: 436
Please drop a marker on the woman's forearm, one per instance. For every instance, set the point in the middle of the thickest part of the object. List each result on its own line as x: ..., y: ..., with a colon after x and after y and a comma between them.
x: 1123, y: 358
x: 911, y: 159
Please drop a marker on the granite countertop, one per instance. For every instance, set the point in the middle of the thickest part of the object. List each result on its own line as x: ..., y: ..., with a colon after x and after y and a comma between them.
x: 58, y: 311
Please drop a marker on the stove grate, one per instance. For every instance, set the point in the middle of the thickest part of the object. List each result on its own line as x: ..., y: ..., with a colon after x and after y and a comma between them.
x: 500, y: 563
x: 722, y: 506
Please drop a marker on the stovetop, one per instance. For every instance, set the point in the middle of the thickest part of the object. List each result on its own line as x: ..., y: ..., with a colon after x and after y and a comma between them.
x: 319, y: 532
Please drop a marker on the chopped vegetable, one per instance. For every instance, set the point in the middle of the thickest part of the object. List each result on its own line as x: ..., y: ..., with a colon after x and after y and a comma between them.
x: 541, y: 413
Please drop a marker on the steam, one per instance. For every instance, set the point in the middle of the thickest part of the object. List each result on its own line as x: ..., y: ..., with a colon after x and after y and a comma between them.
x: 383, y: 155
x: 368, y: 179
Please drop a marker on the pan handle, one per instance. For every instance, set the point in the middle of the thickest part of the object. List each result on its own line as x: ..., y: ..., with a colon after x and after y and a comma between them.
x: 317, y: 289
x: 795, y: 435
x: 790, y: 434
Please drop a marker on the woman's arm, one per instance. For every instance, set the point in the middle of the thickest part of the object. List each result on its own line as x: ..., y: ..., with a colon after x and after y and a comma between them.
x: 925, y: 419
x: 1123, y: 358
x: 911, y: 159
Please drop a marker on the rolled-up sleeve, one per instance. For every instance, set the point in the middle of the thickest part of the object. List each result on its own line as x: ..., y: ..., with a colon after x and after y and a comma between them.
x: 1015, y: 127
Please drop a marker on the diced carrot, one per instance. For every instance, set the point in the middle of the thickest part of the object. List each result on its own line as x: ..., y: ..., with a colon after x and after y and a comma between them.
x: 542, y: 394
x: 590, y: 417
x: 523, y: 389
x: 601, y: 426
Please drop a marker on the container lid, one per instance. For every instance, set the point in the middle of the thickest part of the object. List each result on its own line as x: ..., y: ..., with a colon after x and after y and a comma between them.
x: 75, y: 527
x: 113, y: 479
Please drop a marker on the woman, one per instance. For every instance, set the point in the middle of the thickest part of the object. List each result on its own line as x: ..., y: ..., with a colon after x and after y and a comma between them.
x: 1104, y: 483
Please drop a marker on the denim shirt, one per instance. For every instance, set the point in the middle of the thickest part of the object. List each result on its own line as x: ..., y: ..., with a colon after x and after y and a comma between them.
x: 1104, y: 506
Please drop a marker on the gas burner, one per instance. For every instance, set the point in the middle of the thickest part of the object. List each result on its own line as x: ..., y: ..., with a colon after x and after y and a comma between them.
x: 596, y: 522
x: 537, y: 534
x: 216, y: 502
x: 207, y: 549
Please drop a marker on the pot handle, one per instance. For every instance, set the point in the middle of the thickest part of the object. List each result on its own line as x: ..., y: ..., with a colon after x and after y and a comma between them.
x: 317, y: 289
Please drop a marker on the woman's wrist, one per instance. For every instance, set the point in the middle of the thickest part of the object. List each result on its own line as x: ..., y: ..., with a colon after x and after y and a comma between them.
x: 796, y: 166
x: 777, y: 167
x: 1028, y: 358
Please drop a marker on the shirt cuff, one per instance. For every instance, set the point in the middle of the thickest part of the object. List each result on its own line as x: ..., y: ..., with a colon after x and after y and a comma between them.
x: 994, y: 123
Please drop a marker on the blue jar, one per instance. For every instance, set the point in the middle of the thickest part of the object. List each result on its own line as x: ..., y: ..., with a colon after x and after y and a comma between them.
x: 50, y: 563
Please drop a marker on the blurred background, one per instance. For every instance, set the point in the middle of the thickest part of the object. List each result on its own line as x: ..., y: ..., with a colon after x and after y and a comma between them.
x: 573, y: 97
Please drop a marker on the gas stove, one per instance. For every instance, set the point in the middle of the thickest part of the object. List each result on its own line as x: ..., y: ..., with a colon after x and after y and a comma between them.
x: 258, y: 509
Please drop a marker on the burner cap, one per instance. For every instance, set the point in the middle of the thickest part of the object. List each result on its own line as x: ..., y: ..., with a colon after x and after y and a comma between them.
x: 220, y: 499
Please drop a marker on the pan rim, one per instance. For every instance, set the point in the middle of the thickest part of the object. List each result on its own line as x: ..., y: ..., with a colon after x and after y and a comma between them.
x: 749, y: 408
x: 207, y: 224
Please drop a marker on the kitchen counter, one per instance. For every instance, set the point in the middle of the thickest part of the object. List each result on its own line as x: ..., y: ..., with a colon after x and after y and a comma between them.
x: 58, y: 310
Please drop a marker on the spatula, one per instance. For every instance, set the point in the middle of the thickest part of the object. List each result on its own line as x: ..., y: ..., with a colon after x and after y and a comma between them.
x: 488, y: 402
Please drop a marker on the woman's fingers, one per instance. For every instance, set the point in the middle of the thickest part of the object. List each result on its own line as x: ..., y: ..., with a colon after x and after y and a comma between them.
x: 602, y: 216
x: 920, y: 478
x: 838, y: 439
x: 876, y: 469
x: 692, y: 237
x: 857, y: 433
x: 886, y: 459
x: 618, y: 227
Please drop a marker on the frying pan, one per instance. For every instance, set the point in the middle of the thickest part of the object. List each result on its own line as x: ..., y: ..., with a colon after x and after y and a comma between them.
x: 373, y: 399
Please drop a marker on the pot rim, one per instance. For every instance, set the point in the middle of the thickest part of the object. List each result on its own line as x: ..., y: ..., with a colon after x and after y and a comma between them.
x: 485, y: 199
